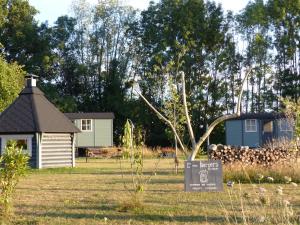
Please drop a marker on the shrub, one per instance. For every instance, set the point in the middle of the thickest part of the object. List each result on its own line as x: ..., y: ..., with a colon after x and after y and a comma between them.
x: 13, y: 167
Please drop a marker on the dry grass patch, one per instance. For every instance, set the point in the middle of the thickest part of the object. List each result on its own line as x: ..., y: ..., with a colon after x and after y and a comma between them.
x: 93, y: 192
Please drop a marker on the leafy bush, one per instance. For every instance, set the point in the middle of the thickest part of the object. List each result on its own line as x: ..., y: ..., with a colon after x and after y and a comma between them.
x: 13, y: 167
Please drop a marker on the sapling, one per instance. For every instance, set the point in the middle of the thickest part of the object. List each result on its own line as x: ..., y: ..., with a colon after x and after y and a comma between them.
x: 127, y: 140
x: 138, y: 179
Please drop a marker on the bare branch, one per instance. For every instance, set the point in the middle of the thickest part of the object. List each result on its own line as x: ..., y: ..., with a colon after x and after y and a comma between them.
x: 220, y: 119
x: 186, y: 111
x: 208, y: 131
x: 238, y: 106
x: 164, y: 119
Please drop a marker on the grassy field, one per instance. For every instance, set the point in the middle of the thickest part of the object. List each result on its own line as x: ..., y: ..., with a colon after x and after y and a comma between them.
x: 93, y: 193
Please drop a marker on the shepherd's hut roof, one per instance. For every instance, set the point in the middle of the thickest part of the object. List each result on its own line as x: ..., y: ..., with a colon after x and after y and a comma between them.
x: 90, y: 115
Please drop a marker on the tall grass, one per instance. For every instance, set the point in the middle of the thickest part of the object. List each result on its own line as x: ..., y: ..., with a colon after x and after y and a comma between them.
x: 248, y: 174
x: 259, y: 205
x: 263, y: 203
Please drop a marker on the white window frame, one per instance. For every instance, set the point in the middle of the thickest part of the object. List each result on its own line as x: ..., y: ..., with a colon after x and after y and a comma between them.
x: 5, y: 138
x: 90, y: 130
x: 289, y: 127
x: 247, y: 128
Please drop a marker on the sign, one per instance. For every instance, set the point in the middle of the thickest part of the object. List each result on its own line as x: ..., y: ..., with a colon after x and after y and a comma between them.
x: 203, y: 176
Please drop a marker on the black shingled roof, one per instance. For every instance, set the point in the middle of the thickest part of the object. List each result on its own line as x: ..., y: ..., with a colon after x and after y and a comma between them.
x: 31, y: 112
x: 262, y: 116
x: 91, y: 115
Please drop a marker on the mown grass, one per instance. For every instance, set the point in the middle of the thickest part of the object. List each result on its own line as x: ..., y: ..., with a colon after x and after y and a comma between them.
x: 93, y: 193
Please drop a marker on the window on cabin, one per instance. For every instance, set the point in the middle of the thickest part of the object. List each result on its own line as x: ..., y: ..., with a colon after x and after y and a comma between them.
x: 251, y: 125
x: 22, y: 141
x: 268, y: 127
x: 284, y: 125
x: 86, y: 125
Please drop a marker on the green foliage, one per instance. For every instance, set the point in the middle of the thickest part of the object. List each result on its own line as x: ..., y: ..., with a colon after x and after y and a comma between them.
x: 13, y: 167
x: 189, y: 36
x: 3, y: 11
x: 174, y: 111
x: 135, y: 154
x: 127, y: 140
x: 88, y: 62
x: 11, y: 82
x: 21, y: 35
x: 292, y: 111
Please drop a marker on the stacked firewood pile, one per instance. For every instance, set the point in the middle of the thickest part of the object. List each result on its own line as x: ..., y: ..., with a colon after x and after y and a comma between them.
x: 109, y: 152
x: 243, y: 154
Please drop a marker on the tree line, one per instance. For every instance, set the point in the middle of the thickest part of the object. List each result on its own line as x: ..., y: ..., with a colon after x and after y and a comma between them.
x: 89, y: 61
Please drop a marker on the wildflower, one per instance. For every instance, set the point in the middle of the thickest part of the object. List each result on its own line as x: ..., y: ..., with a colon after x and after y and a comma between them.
x: 294, y: 184
x: 256, y: 200
x: 246, y: 195
x: 260, y: 177
x: 264, y: 200
x: 230, y: 183
x: 287, y: 179
x: 286, y: 202
x: 279, y: 191
x: 262, y: 190
x: 261, y: 219
x: 105, y: 219
x: 270, y: 179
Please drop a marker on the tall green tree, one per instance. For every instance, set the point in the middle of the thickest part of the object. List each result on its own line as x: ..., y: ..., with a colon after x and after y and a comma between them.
x: 22, y: 38
x: 284, y: 21
x: 254, y: 27
x: 11, y: 82
x: 191, y: 35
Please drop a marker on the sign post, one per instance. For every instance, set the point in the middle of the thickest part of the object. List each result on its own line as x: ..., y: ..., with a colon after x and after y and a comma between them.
x: 203, y: 176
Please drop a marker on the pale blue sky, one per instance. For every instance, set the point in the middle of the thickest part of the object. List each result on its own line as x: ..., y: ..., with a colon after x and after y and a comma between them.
x: 50, y: 10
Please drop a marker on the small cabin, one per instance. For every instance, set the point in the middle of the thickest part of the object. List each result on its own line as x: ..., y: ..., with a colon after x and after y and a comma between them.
x: 257, y: 129
x: 36, y: 125
x: 96, y: 129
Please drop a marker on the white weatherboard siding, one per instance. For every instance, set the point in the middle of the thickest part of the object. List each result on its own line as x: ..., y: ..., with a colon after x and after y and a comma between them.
x: 56, y: 150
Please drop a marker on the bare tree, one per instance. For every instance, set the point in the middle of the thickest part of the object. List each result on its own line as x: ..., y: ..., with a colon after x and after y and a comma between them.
x: 197, y: 144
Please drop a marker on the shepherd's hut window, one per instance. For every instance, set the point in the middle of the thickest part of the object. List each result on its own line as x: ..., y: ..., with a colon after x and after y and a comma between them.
x: 284, y: 125
x: 22, y: 141
x: 251, y: 125
x: 86, y: 125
